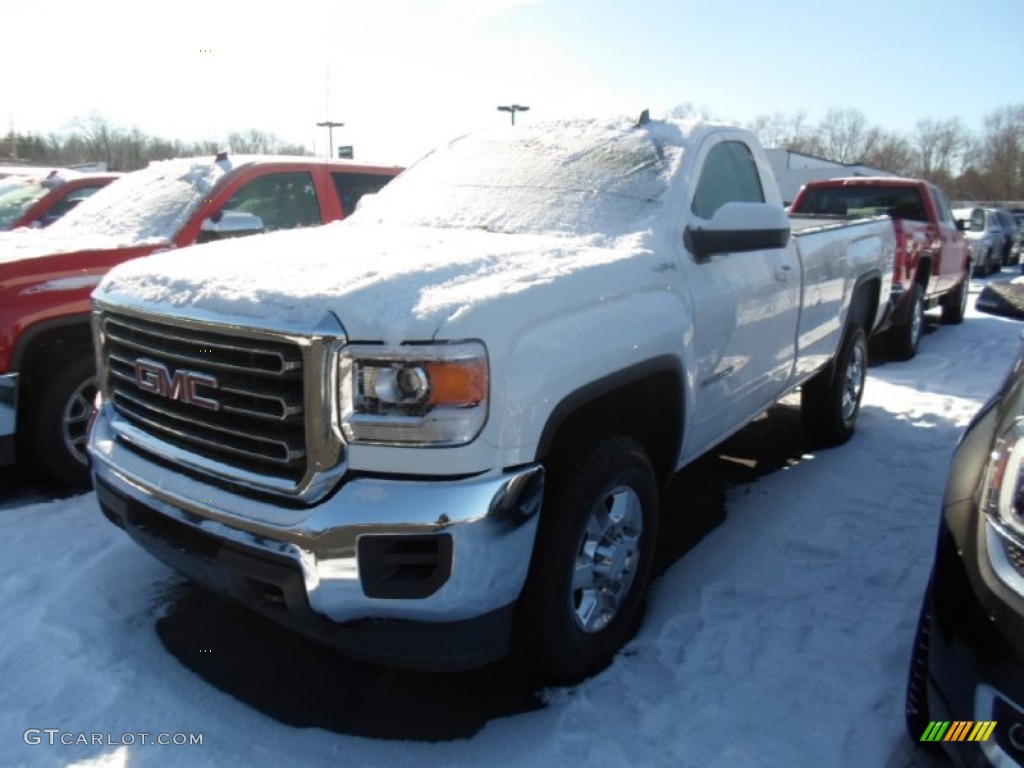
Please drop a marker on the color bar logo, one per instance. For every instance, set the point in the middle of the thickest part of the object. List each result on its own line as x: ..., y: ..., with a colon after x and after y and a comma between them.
x: 960, y: 730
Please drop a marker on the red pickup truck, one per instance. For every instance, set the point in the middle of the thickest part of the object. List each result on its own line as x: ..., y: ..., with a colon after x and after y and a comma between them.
x: 933, y: 264
x: 47, y: 276
x: 38, y: 200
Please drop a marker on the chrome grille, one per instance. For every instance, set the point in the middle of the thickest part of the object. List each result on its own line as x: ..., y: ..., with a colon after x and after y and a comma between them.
x: 253, y: 418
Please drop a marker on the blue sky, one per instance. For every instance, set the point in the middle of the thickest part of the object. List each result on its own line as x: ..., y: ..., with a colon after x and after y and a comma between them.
x: 406, y: 74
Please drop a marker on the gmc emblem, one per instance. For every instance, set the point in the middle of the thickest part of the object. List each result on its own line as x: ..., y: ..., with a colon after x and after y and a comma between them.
x: 157, y: 379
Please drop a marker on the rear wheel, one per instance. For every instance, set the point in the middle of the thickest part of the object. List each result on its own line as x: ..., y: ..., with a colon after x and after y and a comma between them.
x: 830, y: 402
x: 54, y: 431
x: 584, y: 594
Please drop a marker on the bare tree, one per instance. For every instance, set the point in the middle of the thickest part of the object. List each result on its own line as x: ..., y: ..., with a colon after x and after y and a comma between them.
x: 1002, y: 153
x: 941, y: 146
x: 782, y: 131
x: 98, y: 136
x: 259, y: 142
x: 891, y: 152
x: 845, y: 135
x: 687, y: 110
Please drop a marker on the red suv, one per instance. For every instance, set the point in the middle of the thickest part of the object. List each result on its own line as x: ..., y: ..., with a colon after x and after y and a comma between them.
x: 38, y: 201
x: 48, y: 275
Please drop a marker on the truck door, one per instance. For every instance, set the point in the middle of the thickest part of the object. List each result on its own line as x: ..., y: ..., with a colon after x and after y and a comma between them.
x: 745, y: 305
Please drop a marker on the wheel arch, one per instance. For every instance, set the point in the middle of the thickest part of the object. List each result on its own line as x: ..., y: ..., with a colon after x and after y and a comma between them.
x: 41, y: 341
x: 644, y: 402
x: 865, y: 300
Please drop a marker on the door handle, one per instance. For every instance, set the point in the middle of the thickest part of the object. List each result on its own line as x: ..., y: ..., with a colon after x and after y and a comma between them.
x: 782, y: 272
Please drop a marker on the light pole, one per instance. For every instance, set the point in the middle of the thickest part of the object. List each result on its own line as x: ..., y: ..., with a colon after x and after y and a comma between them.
x: 512, y: 109
x: 330, y: 125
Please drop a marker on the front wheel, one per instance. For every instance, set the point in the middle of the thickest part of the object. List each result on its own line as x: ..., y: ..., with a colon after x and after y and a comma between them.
x: 830, y: 402
x: 56, y: 420
x: 905, y: 338
x: 955, y: 305
x: 916, y: 713
x: 584, y: 594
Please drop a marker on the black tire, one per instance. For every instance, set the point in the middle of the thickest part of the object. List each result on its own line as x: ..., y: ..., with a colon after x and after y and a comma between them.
x: 585, y: 591
x: 53, y: 431
x: 830, y: 402
x: 983, y: 267
x: 916, y: 712
x: 954, y: 307
x: 905, y: 338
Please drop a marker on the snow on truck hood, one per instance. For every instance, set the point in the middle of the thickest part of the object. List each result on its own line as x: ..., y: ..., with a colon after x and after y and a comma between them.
x: 389, y: 284
x: 482, y: 217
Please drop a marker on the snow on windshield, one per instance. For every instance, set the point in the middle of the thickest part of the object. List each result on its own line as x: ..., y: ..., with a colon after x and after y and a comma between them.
x: 570, y: 177
x: 16, y: 197
x: 144, y: 206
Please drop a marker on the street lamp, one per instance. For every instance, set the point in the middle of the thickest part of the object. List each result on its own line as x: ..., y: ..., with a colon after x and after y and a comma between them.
x: 512, y: 109
x: 330, y: 125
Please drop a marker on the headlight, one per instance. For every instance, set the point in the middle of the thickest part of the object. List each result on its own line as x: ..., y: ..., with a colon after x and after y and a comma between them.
x: 1003, y: 495
x: 422, y: 394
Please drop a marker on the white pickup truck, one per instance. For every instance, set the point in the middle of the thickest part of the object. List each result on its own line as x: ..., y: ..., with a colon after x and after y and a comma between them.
x: 439, y: 430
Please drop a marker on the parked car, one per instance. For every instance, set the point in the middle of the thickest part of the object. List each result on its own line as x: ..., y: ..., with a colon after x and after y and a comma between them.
x: 493, y: 371
x: 38, y: 201
x: 932, y: 259
x: 47, y: 275
x: 984, y: 232
x: 1011, y: 236
x: 967, y: 662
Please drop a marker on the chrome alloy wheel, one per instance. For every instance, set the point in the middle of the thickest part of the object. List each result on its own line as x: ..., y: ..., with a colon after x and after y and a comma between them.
x: 853, y: 384
x: 75, y: 419
x: 607, y: 559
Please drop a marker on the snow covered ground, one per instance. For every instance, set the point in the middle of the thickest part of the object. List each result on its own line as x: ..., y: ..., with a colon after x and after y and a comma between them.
x: 781, y: 639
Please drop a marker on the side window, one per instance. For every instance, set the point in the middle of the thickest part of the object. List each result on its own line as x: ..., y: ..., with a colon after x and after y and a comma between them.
x: 729, y: 175
x: 65, y: 205
x: 352, y: 186
x: 942, y: 206
x: 281, y: 200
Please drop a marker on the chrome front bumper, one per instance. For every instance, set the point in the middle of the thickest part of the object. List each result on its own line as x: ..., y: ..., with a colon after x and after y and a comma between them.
x: 491, y: 521
x: 8, y: 416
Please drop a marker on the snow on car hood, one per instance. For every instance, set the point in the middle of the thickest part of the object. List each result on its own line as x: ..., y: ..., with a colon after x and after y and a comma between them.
x: 22, y: 244
x: 383, y: 283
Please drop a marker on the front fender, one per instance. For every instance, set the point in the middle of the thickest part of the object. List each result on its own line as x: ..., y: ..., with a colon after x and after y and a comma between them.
x: 552, y: 361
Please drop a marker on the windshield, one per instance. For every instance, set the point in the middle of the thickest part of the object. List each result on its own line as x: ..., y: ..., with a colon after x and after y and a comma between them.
x: 16, y: 197
x: 567, y: 178
x: 151, y: 204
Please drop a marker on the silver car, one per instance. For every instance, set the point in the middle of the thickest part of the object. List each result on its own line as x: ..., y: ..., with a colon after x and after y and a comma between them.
x: 985, y: 238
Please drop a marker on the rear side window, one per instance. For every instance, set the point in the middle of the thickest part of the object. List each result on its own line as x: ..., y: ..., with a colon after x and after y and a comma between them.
x: 352, y: 186
x: 864, y: 200
x: 729, y: 175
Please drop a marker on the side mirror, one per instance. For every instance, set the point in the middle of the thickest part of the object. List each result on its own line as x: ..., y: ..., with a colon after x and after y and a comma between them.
x: 230, y: 224
x: 961, y: 225
x: 738, y: 227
